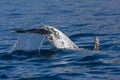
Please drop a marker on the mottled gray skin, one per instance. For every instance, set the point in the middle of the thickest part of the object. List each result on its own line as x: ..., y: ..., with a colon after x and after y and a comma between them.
x: 59, y: 39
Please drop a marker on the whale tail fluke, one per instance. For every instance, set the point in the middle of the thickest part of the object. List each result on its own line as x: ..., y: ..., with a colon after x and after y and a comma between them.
x: 96, y: 43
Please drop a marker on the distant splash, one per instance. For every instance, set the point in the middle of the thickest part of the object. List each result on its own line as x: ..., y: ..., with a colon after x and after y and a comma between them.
x: 28, y: 42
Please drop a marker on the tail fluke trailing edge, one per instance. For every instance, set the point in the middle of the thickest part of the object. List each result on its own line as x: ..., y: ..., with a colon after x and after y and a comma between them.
x: 35, y: 30
x: 96, y: 43
x: 19, y: 31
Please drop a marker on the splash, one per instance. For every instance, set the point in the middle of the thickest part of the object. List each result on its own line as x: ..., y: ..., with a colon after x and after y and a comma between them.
x: 42, y: 41
x: 28, y: 42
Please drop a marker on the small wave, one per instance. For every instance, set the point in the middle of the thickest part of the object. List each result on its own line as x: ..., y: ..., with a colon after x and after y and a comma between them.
x: 79, y: 25
x: 43, y: 78
x: 106, y: 14
x: 87, y: 35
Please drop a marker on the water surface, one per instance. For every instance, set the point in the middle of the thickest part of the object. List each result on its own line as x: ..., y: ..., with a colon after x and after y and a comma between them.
x: 81, y: 20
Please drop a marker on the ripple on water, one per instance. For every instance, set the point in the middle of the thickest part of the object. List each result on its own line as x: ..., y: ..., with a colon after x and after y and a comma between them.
x: 81, y: 20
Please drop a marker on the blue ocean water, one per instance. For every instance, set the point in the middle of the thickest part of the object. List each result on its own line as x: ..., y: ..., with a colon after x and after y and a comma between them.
x: 81, y: 20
